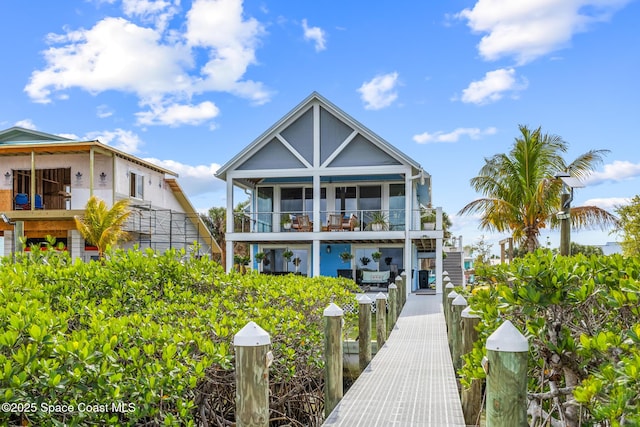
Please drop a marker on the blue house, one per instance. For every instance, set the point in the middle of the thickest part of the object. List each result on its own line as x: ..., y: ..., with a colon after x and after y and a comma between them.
x: 321, y: 186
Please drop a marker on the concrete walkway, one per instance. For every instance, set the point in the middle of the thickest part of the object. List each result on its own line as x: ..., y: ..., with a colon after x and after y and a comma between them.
x: 410, y: 381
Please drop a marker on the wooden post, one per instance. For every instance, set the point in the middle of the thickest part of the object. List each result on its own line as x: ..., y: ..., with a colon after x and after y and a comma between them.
x: 399, y: 303
x: 364, y: 331
x: 252, y: 376
x: 472, y: 396
x: 448, y: 287
x: 507, y: 352
x: 449, y: 318
x: 334, y: 364
x: 393, y: 306
x: 403, y: 276
x: 381, y: 319
x: 457, y: 305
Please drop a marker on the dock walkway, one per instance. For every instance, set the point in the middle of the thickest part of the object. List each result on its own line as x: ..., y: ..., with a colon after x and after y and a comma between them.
x: 410, y: 381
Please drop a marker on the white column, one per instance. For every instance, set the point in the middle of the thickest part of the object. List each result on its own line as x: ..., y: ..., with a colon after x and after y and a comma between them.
x: 315, y: 254
x: 439, y: 265
x: 229, y: 225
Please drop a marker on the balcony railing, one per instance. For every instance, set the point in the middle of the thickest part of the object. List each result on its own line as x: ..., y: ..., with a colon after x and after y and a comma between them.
x: 349, y: 221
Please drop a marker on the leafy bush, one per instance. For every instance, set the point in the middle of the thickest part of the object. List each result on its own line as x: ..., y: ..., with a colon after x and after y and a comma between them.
x: 152, y: 335
x: 581, y: 317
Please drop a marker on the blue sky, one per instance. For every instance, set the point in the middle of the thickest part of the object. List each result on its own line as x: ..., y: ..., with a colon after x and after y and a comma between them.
x: 188, y: 84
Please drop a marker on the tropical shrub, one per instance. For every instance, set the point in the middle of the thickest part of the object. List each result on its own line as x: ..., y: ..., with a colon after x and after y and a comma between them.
x: 146, y: 339
x: 582, y: 320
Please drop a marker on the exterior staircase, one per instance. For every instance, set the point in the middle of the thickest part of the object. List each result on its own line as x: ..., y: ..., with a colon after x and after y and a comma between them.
x: 453, y: 264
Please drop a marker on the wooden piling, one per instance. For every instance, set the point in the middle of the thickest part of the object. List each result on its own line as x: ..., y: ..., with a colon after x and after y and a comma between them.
x: 253, y: 358
x: 381, y: 319
x: 457, y: 305
x: 472, y: 396
x: 447, y: 316
x: 507, y: 352
x: 393, y: 306
x: 399, y: 301
x: 364, y: 331
x: 448, y: 287
x: 334, y: 363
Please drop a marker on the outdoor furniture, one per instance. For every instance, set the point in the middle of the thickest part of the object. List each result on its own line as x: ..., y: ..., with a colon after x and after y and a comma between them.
x: 335, y: 222
x: 22, y: 201
x: 38, y: 202
x: 375, y: 277
x: 350, y: 223
x: 304, y: 223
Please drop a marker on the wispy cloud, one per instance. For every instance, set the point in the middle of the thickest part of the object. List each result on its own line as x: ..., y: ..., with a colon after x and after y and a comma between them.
x: 121, y: 139
x: 494, y: 86
x: 315, y: 34
x: 619, y: 170
x: 176, y: 115
x: 26, y: 123
x: 194, y: 180
x: 609, y: 204
x: 526, y: 30
x: 139, y: 54
x: 453, y: 136
x: 380, y: 92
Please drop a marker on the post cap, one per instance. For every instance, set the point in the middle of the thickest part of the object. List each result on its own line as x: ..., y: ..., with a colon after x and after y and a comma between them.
x: 393, y: 286
x: 449, y: 286
x: 459, y: 300
x: 251, y: 335
x: 452, y: 294
x: 404, y: 273
x: 469, y: 314
x: 364, y: 300
x: 380, y: 296
x: 398, y: 279
x: 507, y: 338
x: 446, y: 279
x: 445, y: 273
x: 333, y: 310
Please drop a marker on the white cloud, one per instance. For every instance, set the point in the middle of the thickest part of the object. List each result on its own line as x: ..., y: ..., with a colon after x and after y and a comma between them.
x: 103, y: 111
x: 453, y: 136
x: 176, y: 115
x: 493, y: 87
x: 194, y: 180
x: 156, y: 64
x: 120, y: 139
x: 609, y: 204
x: 380, y: 92
x: 529, y: 29
x: 315, y: 34
x: 26, y: 123
x: 619, y: 170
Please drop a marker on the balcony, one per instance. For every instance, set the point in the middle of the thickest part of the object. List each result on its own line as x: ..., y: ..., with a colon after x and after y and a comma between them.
x: 358, y: 221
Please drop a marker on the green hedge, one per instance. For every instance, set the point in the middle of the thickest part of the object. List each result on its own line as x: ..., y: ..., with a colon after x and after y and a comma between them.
x: 582, y: 319
x: 138, y: 338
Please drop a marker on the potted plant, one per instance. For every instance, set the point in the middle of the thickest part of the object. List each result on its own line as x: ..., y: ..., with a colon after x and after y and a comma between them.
x: 285, y: 221
x: 346, y: 256
x: 287, y: 254
x: 259, y: 257
x: 365, y: 260
x: 428, y: 219
x: 296, y: 262
x: 378, y: 221
x: 376, y: 258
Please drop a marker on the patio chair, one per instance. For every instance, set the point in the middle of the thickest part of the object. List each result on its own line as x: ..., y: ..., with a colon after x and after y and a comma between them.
x: 22, y: 201
x: 335, y: 222
x: 304, y: 223
x: 38, y: 201
x: 350, y: 223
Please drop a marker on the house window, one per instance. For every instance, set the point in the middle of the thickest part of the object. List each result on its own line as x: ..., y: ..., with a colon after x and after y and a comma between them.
x: 346, y: 201
x: 136, y: 185
x: 370, y: 201
x: 396, y: 206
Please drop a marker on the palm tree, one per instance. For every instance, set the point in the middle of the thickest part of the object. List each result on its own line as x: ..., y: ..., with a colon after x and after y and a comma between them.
x: 101, y: 226
x: 522, y: 194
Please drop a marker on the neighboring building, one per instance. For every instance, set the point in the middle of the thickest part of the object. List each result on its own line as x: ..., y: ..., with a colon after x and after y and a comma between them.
x: 45, y: 180
x: 333, y: 178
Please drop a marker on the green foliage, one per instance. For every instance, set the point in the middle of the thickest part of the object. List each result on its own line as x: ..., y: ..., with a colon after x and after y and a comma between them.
x: 629, y: 227
x: 581, y: 317
x: 103, y: 226
x: 148, y: 332
x: 520, y: 193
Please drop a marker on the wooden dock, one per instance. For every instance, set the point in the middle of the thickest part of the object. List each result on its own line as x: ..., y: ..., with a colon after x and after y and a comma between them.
x: 411, y: 380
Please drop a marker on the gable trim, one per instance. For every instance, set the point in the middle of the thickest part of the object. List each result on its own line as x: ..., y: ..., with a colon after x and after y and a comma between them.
x: 339, y: 150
